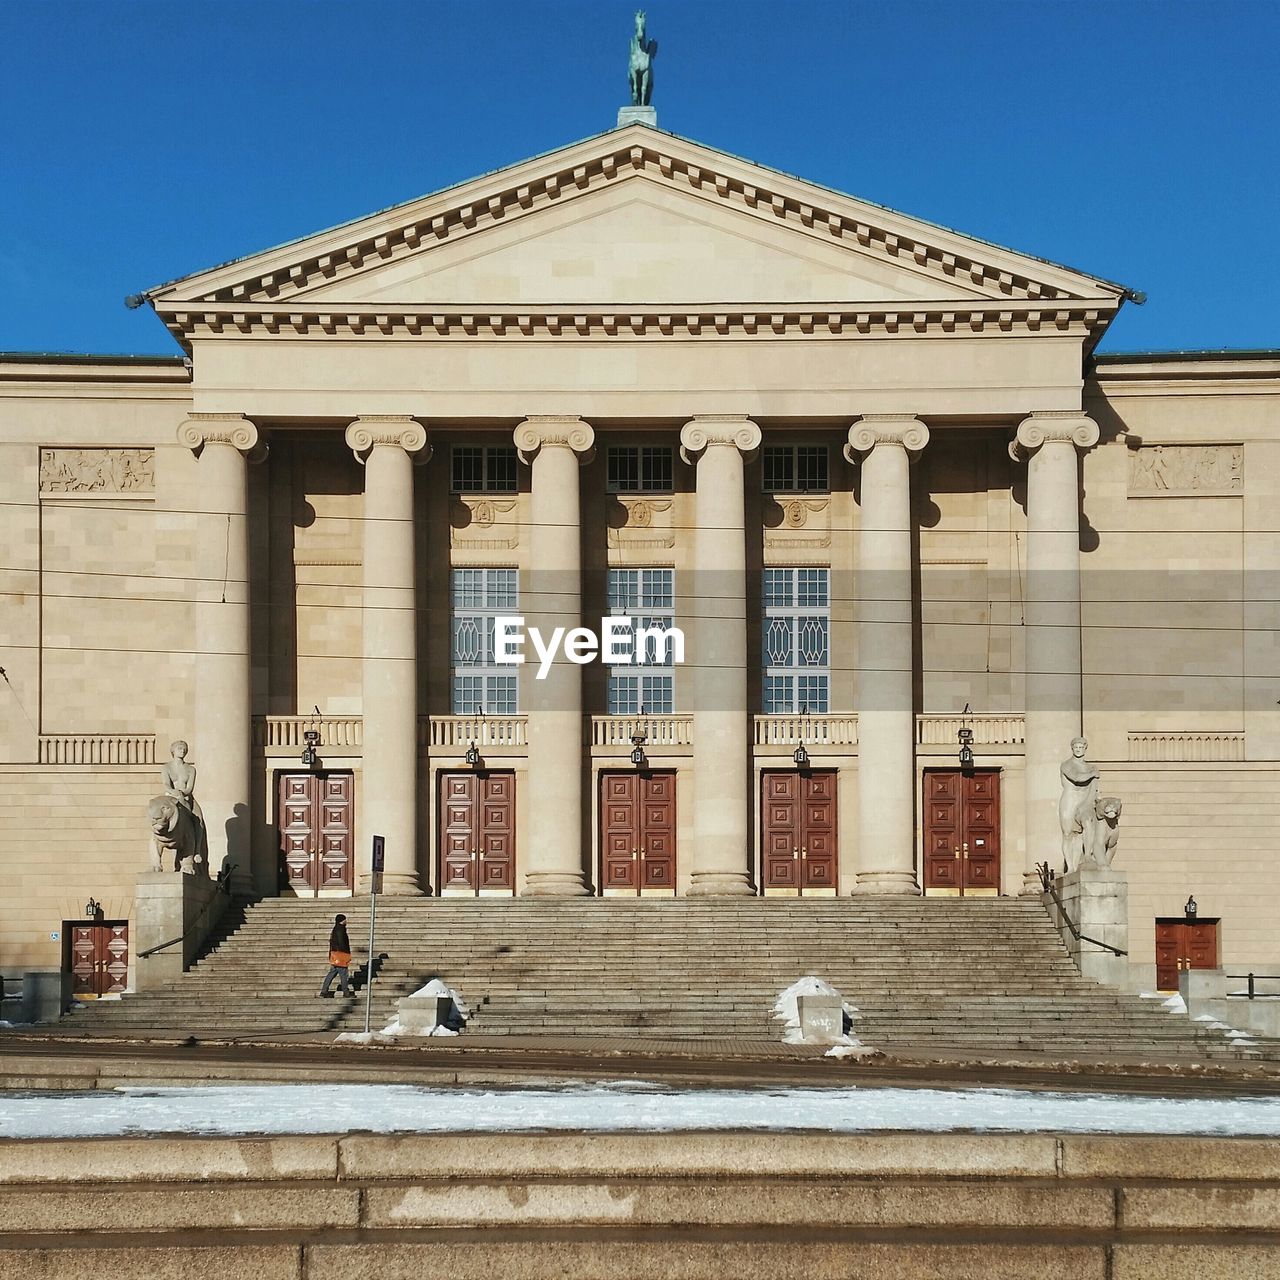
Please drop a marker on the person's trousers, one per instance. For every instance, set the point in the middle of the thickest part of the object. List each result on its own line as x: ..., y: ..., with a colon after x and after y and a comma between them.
x: 343, y: 980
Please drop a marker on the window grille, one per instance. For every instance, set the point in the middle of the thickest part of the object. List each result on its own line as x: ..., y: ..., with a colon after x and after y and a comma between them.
x: 647, y: 597
x: 796, y: 641
x: 795, y: 468
x: 480, y: 685
x: 487, y: 468
x: 640, y: 469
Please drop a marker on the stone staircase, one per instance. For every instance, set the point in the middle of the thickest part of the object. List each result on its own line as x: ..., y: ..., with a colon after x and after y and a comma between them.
x: 984, y: 977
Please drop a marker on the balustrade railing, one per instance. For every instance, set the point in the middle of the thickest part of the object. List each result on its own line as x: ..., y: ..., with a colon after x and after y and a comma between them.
x: 97, y: 748
x: 284, y: 735
x: 812, y: 730
x: 1188, y: 746
x: 989, y: 729
x: 457, y: 733
x: 659, y: 731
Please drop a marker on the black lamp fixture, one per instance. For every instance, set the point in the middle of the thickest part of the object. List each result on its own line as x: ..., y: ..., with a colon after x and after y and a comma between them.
x: 800, y: 755
x: 965, y: 738
x: 310, y: 756
x: 638, y: 739
x: 93, y: 909
x: 473, y: 756
x: 1190, y: 908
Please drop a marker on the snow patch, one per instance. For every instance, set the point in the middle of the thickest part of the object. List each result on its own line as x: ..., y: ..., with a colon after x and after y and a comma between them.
x: 395, y: 1031
x: 1175, y: 1004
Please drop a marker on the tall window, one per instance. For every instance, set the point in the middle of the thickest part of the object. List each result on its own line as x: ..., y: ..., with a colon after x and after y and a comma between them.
x: 479, y: 684
x: 795, y: 468
x: 647, y: 598
x: 640, y: 469
x: 483, y: 468
x: 797, y: 625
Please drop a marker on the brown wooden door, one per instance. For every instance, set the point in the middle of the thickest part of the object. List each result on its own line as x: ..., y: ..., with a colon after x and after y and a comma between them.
x: 799, y: 832
x: 638, y: 833
x: 477, y: 833
x: 316, y: 821
x: 99, y: 957
x: 1183, y: 944
x: 962, y: 832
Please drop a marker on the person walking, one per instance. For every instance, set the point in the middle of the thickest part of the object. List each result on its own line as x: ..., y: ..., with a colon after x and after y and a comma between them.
x: 339, y: 958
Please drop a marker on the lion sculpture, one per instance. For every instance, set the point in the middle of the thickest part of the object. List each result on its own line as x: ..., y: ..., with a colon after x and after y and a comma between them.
x: 177, y: 831
x: 1106, y: 831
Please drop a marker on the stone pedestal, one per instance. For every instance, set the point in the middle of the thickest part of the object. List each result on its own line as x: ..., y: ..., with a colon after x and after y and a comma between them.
x: 424, y: 1013
x: 170, y: 905
x: 46, y: 994
x: 637, y: 115
x: 821, y: 1019
x: 1205, y: 991
x: 1097, y: 901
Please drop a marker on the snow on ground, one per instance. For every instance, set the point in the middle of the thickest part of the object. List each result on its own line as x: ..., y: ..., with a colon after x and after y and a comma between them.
x: 628, y: 1106
x: 786, y: 1010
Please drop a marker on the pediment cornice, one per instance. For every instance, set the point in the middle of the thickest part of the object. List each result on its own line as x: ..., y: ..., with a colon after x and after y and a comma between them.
x: 277, y: 282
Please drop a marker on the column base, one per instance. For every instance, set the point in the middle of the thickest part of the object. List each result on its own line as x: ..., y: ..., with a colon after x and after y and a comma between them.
x: 1031, y: 886
x: 555, y: 884
x: 395, y: 884
x: 721, y: 884
x: 884, y: 883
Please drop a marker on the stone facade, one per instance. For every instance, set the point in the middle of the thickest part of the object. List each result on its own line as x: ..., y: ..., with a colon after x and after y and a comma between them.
x: 1021, y: 540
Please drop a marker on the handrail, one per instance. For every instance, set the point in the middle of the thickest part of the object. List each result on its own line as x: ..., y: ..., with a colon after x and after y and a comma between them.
x: 1250, y: 977
x: 1047, y: 882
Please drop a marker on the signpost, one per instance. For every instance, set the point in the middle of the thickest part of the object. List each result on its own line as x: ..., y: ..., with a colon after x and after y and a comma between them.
x: 375, y: 883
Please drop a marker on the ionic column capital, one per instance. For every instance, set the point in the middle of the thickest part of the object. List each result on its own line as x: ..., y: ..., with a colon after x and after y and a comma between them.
x: 1053, y: 427
x: 901, y: 429
x: 395, y: 430
x: 234, y: 429
x: 711, y: 429
x: 551, y: 431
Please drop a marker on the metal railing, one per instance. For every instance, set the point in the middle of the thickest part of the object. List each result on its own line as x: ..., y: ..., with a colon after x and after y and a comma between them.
x: 1253, y: 979
x: 1049, y: 885
x: 223, y: 882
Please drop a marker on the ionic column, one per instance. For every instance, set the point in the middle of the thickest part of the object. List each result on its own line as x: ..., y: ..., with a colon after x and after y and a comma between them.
x: 222, y: 734
x: 554, y: 447
x: 1051, y: 443
x: 717, y: 653
x: 886, y: 659
x: 388, y: 447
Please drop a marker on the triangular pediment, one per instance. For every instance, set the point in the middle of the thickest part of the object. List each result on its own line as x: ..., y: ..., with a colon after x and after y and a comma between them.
x: 630, y: 219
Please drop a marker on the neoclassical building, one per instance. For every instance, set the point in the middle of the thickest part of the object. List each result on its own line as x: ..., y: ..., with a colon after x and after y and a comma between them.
x: 872, y: 468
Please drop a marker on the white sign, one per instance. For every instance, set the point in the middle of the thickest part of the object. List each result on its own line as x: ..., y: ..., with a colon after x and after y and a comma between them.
x: 624, y: 644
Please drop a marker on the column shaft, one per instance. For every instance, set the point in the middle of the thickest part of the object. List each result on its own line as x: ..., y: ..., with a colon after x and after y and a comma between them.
x: 389, y: 677
x: 721, y: 863
x: 886, y: 662
x: 1053, y: 655
x: 553, y: 598
x: 222, y: 736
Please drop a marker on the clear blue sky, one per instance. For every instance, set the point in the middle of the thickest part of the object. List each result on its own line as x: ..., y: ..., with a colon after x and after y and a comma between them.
x: 144, y: 139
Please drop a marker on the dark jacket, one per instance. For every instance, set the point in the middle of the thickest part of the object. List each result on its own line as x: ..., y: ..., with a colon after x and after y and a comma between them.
x: 338, y: 940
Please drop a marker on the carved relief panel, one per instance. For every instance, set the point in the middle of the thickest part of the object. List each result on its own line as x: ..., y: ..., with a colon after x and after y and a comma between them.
x: 794, y: 523
x: 1182, y: 470
x: 640, y: 522
x: 481, y: 523
x: 98, y: 472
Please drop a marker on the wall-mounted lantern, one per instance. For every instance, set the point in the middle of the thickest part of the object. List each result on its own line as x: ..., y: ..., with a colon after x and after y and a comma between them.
x: 965, y: 739
x: 93, y: 909
x: 1190, y: 908
x: 800, y: 755
x: 473, y: 756
x: 638, y: 757
x: 310, y: 756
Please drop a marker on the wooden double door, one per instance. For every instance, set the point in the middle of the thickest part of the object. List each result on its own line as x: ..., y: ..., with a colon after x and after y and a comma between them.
x: 962, y: 832
x: 316, y: 822
x: 1183, y: 944
x: 477, y: 833
x: 99, y: 956
x: 799, y: 832
x: 638, y: 833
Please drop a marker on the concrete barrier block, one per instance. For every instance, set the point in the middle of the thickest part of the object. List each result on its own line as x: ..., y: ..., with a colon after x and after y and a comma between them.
x: 167, y: 1159
x: 658, y: 1155
x: 1176, y: 1158
x: 779, y: 1203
